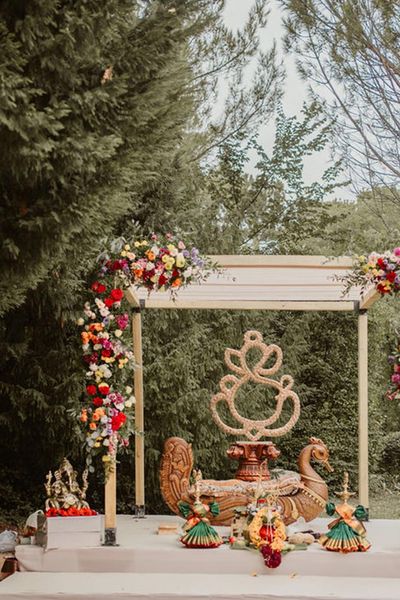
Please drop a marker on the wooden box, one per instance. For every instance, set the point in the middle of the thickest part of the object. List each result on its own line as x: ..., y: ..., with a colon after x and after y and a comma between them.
x: 68, y: 532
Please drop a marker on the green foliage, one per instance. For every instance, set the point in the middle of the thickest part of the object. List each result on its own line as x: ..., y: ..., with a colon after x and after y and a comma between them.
x: 103, y: 108
x: 140, y: 152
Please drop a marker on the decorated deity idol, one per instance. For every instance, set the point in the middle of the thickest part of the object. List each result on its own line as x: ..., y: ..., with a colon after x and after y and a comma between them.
x: 198, y: 532
x: 268, y: 533
x: 346, y: 533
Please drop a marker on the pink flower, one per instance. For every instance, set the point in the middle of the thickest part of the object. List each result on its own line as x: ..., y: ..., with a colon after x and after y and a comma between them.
x: 396, y: 251
x: 396, y: 378
x: 181, y: 245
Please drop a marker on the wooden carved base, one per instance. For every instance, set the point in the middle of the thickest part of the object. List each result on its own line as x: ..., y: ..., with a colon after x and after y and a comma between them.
x: 253, y: 459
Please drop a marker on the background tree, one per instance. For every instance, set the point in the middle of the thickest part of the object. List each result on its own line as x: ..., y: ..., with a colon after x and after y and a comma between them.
x: 101, y: 103
x: 352, y: 49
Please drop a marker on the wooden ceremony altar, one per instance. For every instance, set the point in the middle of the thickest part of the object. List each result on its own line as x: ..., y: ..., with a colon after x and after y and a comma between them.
x: 257, y: 282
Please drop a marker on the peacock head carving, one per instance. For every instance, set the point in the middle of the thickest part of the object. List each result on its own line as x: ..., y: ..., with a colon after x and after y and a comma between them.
x: 320, y: 452
x: 244, y: 371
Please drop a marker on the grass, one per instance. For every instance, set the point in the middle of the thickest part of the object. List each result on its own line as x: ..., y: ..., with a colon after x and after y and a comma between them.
x: 385, y: 506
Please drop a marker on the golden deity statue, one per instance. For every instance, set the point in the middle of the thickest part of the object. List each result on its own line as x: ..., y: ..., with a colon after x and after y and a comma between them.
x: 64, y: 492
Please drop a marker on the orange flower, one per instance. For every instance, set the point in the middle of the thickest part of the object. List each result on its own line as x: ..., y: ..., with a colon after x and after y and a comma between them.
x: 83, y: 416
x: 93, y: 425
x: 96, y: 327
x: 138, y: 273
x: 177, y: 283
x: 150, y: 255
x: 85, y: 337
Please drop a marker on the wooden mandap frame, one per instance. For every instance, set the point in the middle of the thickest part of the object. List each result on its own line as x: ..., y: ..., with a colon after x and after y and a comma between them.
x: 255, y: 282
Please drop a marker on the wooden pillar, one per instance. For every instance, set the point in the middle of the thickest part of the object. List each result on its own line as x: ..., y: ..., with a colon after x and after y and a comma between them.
x: 110, y: 505
x: 139, y: 413
x: 363, y: 408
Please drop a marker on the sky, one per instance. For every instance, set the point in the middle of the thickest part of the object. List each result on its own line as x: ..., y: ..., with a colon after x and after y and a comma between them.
x: 295, y: 88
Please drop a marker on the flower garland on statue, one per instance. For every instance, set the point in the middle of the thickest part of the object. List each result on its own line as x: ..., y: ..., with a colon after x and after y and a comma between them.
x: 156, y: 264
x: 267, y: 532
x: 383, y: 271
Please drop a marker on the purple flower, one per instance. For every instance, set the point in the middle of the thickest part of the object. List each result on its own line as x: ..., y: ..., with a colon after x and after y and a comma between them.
x: 391, y: 359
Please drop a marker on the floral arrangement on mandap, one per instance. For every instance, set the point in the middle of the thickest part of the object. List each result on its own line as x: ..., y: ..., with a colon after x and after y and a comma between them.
x: 393, y: 391
x: 159, y: 263
x: 383, y: 271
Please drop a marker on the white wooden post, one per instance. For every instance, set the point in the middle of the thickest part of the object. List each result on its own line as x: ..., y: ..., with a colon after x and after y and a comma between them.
x: 363, y: 408
x: 139, y: 413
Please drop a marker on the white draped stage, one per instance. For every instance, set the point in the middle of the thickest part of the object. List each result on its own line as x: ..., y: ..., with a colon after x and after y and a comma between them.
x: 151, y: 566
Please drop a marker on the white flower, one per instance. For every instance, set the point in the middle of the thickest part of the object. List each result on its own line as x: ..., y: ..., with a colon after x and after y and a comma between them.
x: 128, y: 389
x: 104, y: 419
x: 93, y: 367
x: 80, y: 322
x: 149, y: 266
x: 106, y: 442
x: 104, y: 312
x: 94, y: 435
x: 90, y: 443
x: 100, y: 303
x: 130, y: 402
x: 118, y: 333
x: 97, y: 347
x: 105, y: 371
x: 120, y: 405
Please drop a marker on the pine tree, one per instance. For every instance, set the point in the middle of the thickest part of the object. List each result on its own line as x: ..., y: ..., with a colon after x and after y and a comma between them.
x: 100, y: 102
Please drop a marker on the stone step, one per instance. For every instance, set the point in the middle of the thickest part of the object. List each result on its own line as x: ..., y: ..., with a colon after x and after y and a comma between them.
x: 267, y: 585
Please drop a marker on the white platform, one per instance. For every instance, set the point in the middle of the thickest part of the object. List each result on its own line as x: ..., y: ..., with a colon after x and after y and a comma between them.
x: 141, y: 550
x: 188, y: 586
x: 150, y: 567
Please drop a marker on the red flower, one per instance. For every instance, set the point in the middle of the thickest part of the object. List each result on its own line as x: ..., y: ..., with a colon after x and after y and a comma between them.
x: 106, y: 353
x: 391, y: 276
x: 101, y: 288
x: 104, y: 389
x: 162, y: 280
x: 90, y: 358
x: 97, y: 401
x: 109, y: 302
x: 381, y: 263
x: 95, y: 286
x: 91, y: 390
x: 116, y: 294
x: 117, y: 421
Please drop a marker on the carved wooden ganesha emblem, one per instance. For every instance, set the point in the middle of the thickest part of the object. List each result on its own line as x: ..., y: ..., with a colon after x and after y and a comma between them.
x: 258, y: 373
x: 302, y: 493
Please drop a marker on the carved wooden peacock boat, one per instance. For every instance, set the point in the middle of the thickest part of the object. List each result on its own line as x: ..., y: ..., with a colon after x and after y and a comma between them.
x: 300, y: 494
